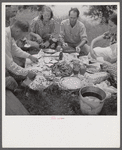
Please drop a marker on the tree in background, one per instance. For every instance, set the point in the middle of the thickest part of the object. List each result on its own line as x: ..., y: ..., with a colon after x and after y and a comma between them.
x: 32, y: 7
x: 101, y: 12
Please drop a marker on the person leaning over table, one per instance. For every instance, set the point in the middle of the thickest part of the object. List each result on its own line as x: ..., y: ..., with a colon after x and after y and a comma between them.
x: 108, y: 53
x: 15, y: 32
x: 73, y: 34
x: 11, y: 11
x: 42, y: 28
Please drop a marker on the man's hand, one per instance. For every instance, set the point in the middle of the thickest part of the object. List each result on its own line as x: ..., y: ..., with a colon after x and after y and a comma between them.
x: 58, y: 48
x: 39, y: 39
x: 78, y: 49
x: 11, y: 83
x: 33, y: 59
x: 31, y: 75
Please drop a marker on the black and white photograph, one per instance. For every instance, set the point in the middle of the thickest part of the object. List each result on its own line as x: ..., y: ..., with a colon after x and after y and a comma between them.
x: 61, y: 62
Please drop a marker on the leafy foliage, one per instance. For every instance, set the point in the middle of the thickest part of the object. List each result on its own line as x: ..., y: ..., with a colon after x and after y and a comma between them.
x: 101, y: 12
x: 32, y: 7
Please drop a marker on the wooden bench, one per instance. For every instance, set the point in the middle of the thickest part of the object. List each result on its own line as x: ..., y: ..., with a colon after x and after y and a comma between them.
x: 13, y: 105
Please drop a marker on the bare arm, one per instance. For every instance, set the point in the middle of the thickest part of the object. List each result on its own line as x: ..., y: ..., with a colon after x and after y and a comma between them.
x: 33, y: 34
x: 82, y: 43
x: 93, y: 54
x: 17, y: 51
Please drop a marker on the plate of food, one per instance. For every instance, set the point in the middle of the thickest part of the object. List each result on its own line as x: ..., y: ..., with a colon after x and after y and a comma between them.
x: 93, y: 68
x: 62, y: 69
x: 49, y: 51
x: 70, y: 83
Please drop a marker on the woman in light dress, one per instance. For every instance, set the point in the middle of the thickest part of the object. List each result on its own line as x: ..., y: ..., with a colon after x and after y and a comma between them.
x: 108, y: 54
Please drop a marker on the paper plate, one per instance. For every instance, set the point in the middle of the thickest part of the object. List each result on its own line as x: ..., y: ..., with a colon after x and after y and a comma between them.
x: 49, y: 51
x: 70, y: 83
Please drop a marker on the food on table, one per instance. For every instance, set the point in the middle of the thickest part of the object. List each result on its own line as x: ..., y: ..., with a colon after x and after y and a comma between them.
x: 62, y: 69
x: 49, y: 65
x: 70, y: 83
x: 93, y: 68
x: 75, y: 61
x: 84, y: 59
x: 48, y: 75
x: 53, y: 61
x: 47, y: 59
x: 96, y: 77
x: 39, y: 83
x: 76, y: 68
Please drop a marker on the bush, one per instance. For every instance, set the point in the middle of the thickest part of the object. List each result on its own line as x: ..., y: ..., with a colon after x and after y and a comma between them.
x: 101, y: 12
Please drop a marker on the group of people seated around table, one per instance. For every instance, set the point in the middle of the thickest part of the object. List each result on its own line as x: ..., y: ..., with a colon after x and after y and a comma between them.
x: 41, y: 33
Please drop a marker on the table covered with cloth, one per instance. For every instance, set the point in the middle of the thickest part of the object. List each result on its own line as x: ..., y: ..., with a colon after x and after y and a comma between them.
x: 46, y: 76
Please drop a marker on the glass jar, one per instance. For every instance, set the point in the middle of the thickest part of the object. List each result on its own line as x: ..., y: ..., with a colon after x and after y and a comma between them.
x: 82, y: 69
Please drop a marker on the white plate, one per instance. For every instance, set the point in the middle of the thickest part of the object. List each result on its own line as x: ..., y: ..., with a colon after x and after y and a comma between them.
x: 71, y: 83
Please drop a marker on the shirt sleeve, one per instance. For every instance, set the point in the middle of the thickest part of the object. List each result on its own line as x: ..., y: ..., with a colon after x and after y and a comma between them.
x: 14, y: 68
x: 83, y: 34
x: 62, y: 33
x: 52, y: 26
x: 54, y: 30
x: 16, y: 51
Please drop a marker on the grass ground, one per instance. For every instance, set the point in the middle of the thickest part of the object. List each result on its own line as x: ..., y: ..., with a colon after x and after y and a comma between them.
x: 54, y: 101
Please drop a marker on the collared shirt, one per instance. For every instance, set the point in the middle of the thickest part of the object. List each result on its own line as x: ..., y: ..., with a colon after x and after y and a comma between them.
x: 13, y: 50
x: 39, y: 28
x: 72, y: 35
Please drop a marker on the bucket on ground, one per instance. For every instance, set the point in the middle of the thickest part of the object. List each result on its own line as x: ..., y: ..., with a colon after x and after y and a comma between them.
x: 91, y: 100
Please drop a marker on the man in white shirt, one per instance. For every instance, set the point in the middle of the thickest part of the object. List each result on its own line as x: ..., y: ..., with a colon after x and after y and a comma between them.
x: 13, y: 33
x: 73, y: 34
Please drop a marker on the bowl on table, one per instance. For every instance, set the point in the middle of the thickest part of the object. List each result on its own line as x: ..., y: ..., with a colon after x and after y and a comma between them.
x: 49, y: 51
x: 70, y: 83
